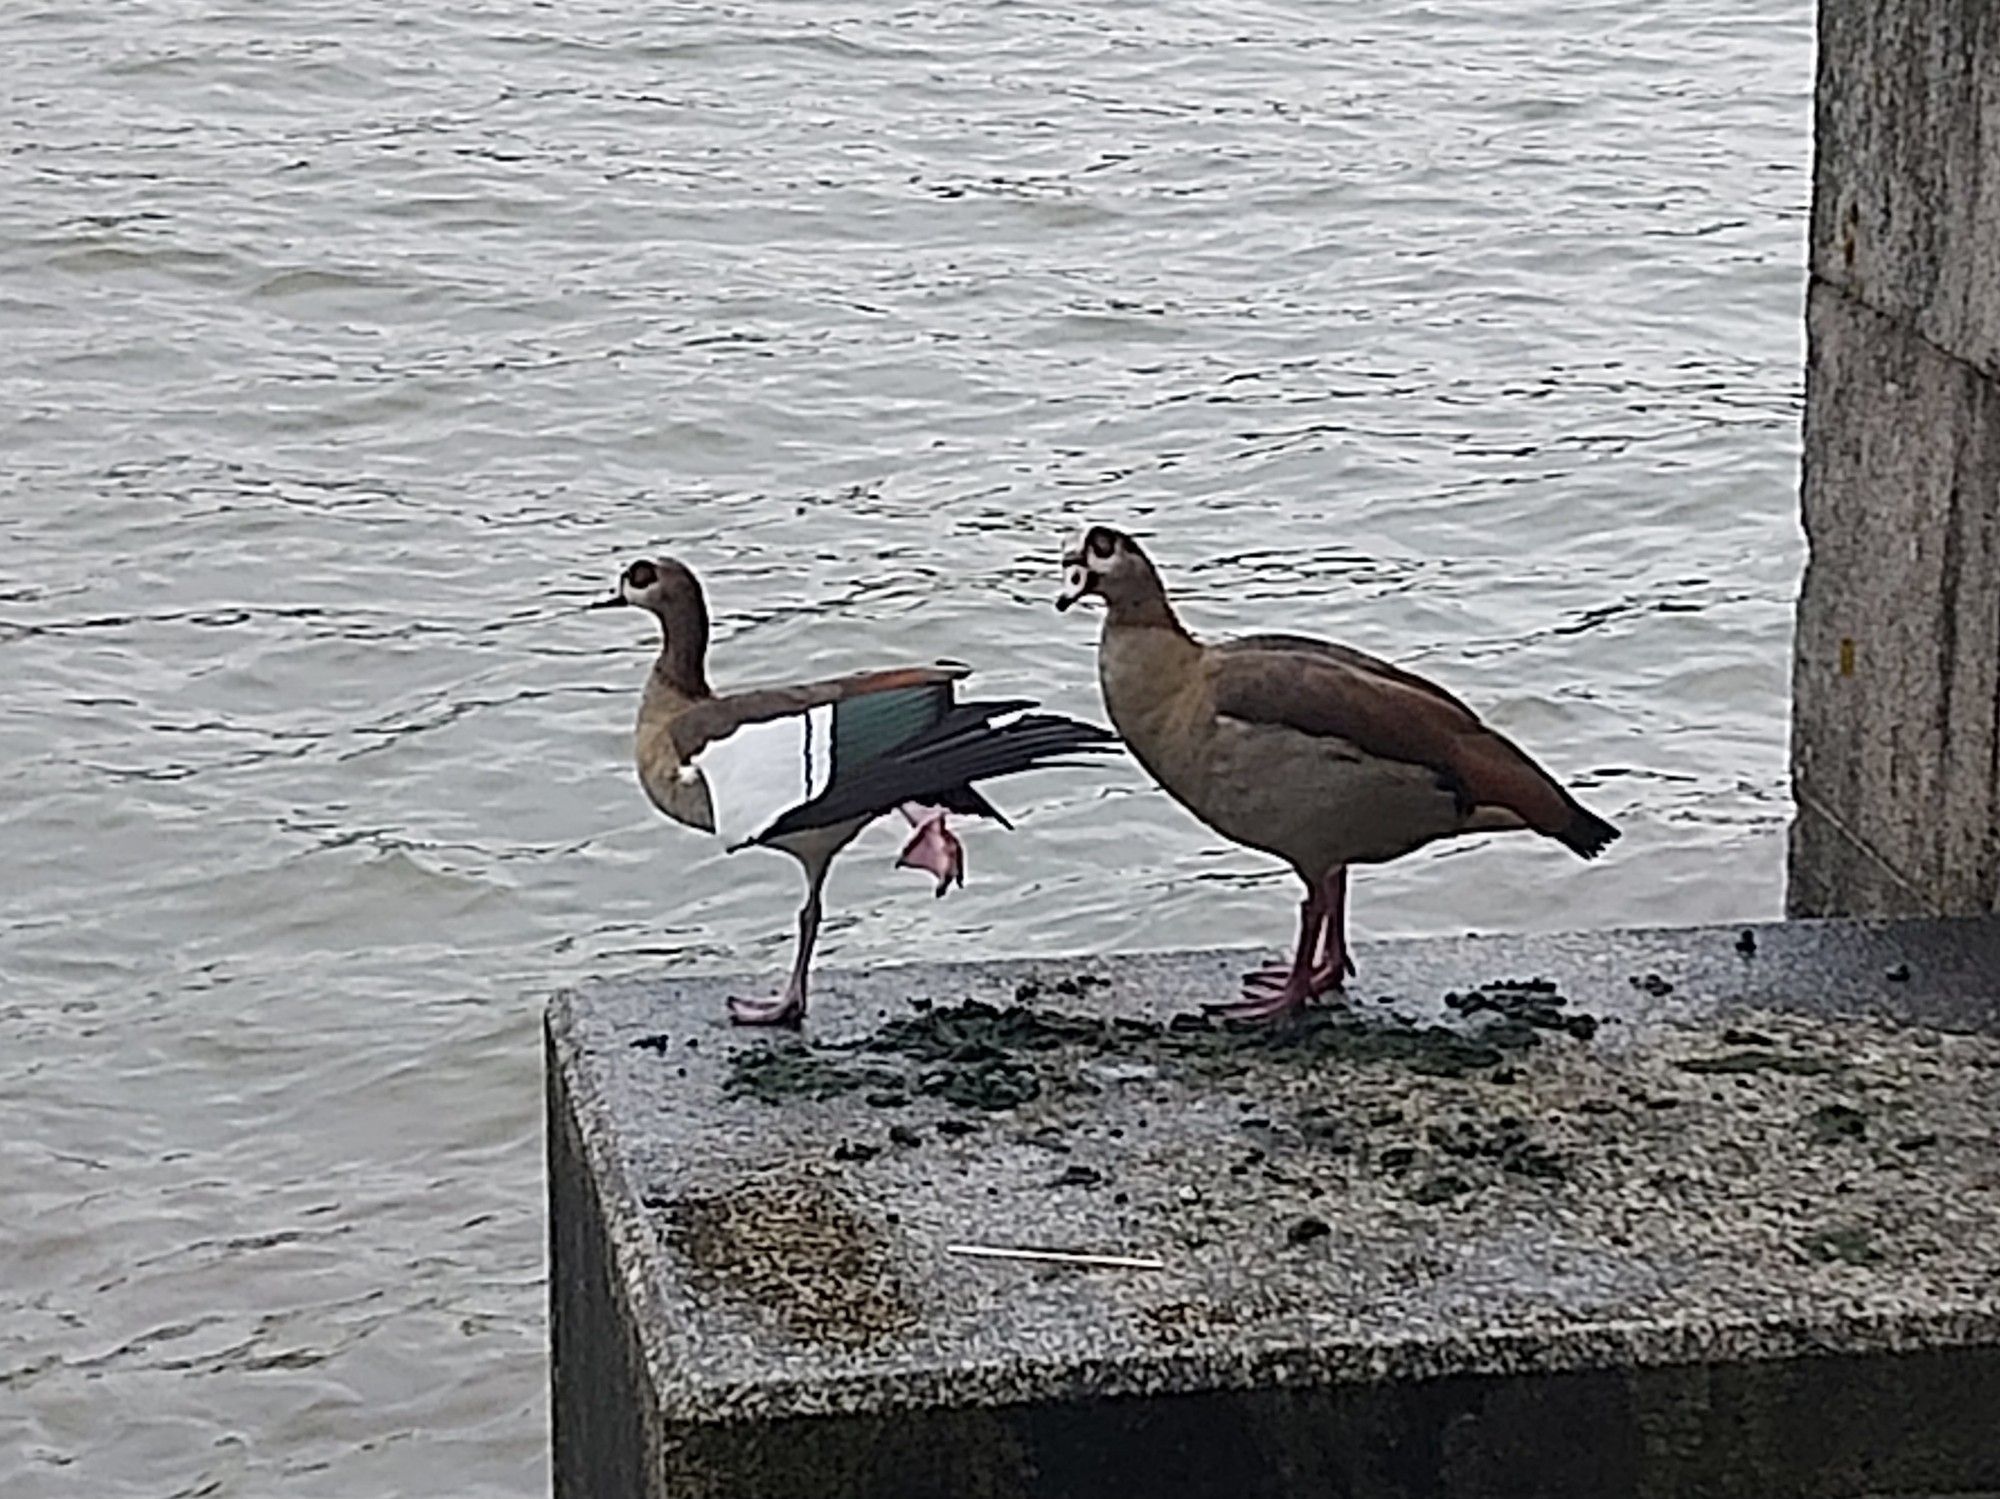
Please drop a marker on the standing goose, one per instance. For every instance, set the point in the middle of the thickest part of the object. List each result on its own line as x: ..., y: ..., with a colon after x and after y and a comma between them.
x: 804, y: 768
x: 1319, y: 754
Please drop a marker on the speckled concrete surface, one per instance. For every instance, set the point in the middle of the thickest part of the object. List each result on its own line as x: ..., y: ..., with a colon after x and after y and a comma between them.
x: 1640, y: 1150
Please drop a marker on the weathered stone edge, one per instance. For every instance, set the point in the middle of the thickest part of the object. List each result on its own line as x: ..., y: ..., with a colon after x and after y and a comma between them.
x: 633, y: 1263
x: 1300, y: 1365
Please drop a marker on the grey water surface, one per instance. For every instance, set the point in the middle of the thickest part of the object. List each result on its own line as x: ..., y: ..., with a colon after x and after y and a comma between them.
x: 346, y: 350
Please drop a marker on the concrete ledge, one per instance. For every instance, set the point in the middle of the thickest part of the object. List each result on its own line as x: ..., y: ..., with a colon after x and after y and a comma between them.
x: 1676, y: 1218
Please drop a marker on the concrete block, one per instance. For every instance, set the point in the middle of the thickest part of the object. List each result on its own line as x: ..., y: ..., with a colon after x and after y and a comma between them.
x: 1651, y: 1213
x: 1906, y: 189
x: 1828, y: 870
x: 1896, y: 684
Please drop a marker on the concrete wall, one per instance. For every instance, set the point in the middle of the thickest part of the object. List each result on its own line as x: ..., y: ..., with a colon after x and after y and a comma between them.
x: 1896, y: 732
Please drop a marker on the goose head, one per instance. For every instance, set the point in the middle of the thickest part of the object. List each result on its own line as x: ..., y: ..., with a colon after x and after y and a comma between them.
x: 1105, y: 563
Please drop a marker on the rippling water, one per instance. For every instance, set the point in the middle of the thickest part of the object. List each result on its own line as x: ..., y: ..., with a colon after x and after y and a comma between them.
x: 349, y: 347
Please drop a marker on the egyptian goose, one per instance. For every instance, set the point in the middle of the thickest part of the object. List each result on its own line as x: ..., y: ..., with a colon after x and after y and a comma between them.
x: 804, y: 768
x: 1321, y: 755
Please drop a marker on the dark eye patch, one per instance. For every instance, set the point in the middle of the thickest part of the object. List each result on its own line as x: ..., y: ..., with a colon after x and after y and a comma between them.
x: 1100, y: 542
x: 641, y: 575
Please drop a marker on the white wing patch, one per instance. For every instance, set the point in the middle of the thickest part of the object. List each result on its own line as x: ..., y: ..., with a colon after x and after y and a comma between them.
x: 763, y: 770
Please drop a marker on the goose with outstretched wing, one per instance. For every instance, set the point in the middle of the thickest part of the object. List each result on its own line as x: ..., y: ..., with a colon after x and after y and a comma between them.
x: 804, y: 767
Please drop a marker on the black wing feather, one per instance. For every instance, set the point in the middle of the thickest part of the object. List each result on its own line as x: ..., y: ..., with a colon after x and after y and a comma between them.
x: 963, y: 747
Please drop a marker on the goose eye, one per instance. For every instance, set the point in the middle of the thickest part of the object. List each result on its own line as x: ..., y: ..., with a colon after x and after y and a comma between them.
x: 1101, y: 544
x: 641, y: 575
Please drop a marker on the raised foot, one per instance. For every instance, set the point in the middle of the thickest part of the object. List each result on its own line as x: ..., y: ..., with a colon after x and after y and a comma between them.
x: 786, y: 1009
x: 934, y: 848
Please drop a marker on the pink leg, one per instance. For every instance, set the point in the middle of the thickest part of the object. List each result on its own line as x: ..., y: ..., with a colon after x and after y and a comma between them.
x: 788, y: 1008
x: 934, y: 847
x: 1332, y: 965
x: 1336, y: 962
x: 1261, y: 1002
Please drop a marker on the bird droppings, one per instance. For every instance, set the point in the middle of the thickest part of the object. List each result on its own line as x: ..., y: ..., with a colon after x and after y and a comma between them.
x: 1074, y: 986
x: 1049, y: 1137
x: 902, y: 1134
x: 786, y: 1070
x: 990, y: 1058
x: 1079, y: 985
x: 1330, y: 1037
x: 1530, y: 1002
x: 972, y: 1030
x: 1831, y: 1123
x: 1440, y: 1188
x: 1534, y: 1160
x: 1079, y: 1176
x: 657, y: 1043
x: 1653, y: 984
x: 981, y: 1056
x: 1847, y: 1245
x: 1797, y: 1063
x: 1898, y: 973
x: 1508, y: 1143
x: 1305, y: 1230
x: 991, y: 1083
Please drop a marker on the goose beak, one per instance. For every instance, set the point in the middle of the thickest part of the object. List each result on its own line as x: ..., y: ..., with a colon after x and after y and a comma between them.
x: 616, y: 601
x: 1065, y: 600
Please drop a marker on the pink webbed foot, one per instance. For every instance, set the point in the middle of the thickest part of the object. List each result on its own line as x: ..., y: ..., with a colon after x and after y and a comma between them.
x: 1323, y: 981
x: 1323, y: 931
x: 934, y: 847
x: 788, y: 1008
x: 1260, y: 1002
x: 1318, y: 966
